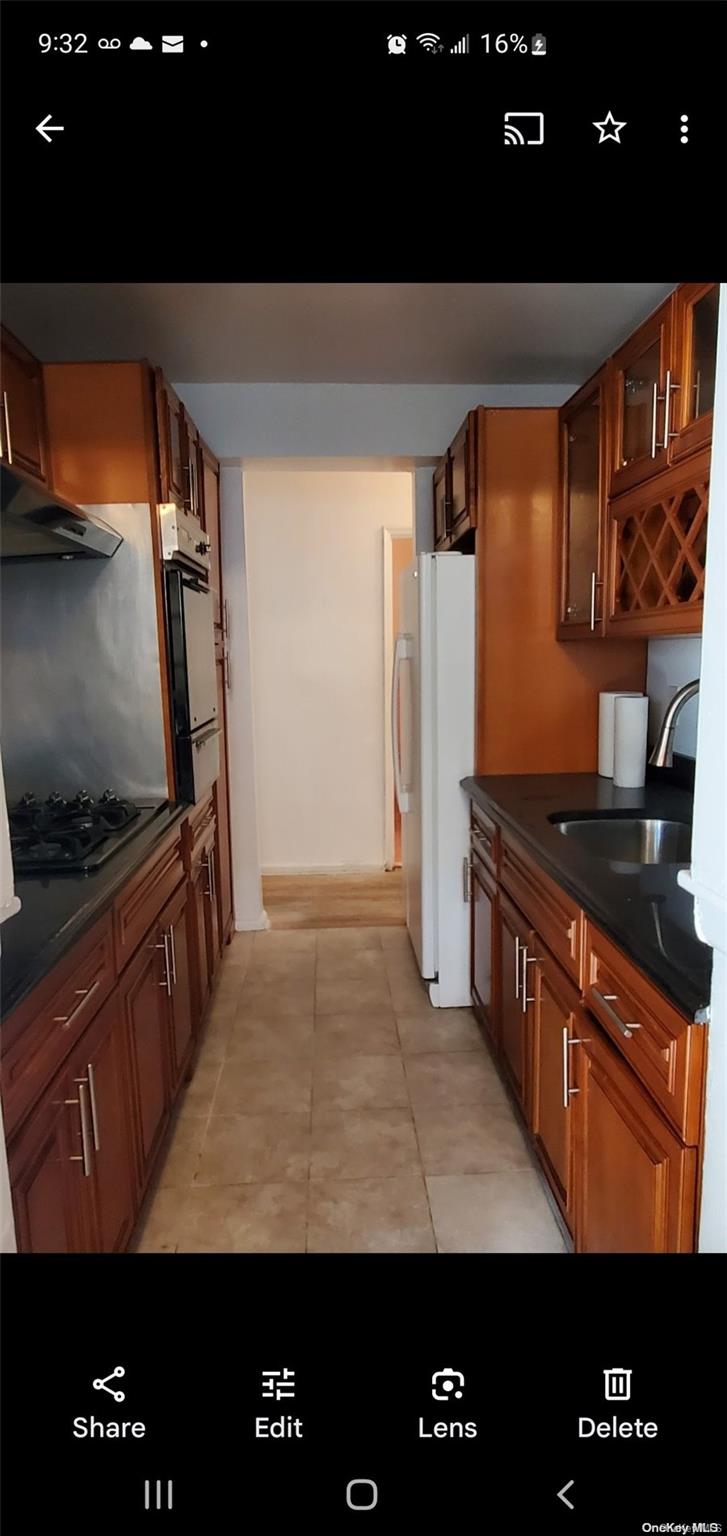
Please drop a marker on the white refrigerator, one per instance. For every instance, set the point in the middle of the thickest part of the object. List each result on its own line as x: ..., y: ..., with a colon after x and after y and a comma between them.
x: 433, y: 733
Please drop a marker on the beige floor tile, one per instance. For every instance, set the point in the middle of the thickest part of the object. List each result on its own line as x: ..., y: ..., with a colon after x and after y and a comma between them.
x: 408, y: 994
x: 369, y: 1216
x: 255, y: 1149
x: 446, y: 1029
x: 288, y: 941
x: 198, y: 1096
x: 402, y: 964
x: 453, y: 1077
x: 239, y: 949
x: 363, y: 1144
x: 229, y: 983
x: 359, y: 1082
x: 395, y: 940
x: 470, y: 1138
x: 259, y: 1036
x: 182, y: 1158
x: 251, y: 1218
x: 369, y: 1034
x: 163, y: 1223
x: 222, y: 1008
x: 360, y: 995
x: 493, y: 1213
x: 351, y: 965
x: 272, y: 995
x: 214, y: 1046
x: 332, y: 941
x: 254, y: 1087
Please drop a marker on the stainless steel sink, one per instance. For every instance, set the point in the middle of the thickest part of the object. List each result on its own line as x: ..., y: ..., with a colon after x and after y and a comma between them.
x: 629, y: 839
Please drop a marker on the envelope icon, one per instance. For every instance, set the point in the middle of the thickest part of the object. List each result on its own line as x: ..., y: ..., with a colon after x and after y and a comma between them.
x: 172, y: 45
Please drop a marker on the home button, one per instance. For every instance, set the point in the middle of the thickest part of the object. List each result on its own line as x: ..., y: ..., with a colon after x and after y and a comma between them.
x: 362, y: 1493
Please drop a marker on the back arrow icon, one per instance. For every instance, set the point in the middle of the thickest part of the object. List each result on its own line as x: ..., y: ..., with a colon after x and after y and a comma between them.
x: 563, y: 1492
x: 46, y: 128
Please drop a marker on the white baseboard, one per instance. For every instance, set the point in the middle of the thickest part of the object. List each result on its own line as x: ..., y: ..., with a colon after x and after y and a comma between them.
x: 256, y: 924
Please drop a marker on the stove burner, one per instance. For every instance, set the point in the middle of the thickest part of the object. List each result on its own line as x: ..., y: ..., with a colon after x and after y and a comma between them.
x: 60, y: 834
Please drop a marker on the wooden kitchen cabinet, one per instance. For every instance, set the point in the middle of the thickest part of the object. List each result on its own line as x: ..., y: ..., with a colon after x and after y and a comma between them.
x: 695, y: 358
x: 516, y: 982
x: 211, y: 908
x: 50, y: 1191
x: 100, y: 1065
x: 483, y: 952
x: 144, y: 996
x: 171, y: 442
x: 463, y: 479
x: 175, y: 923
x: 559, y: 1024
x: 23, y: 430
x: 658, y: 555
x: 441, y: 481
x: 582, y: 532
x: 640, y: 386
x: 192, y: 478
x: 202, y: 968
x: 636, y: 1180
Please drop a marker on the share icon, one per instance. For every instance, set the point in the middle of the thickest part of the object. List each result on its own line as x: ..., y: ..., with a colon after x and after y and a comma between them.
x: 100, y: 1384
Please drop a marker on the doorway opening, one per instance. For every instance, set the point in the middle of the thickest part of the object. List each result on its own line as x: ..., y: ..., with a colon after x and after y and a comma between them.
x: 398, y: 554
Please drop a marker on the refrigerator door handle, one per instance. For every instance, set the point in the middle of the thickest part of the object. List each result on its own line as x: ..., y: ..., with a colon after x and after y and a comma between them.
x: 402, y: 652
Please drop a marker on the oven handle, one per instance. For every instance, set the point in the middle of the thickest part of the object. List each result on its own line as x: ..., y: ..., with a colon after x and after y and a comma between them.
x: 199, y: 741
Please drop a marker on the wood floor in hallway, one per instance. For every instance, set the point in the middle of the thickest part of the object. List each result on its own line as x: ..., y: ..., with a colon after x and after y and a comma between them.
x: 335, y: 901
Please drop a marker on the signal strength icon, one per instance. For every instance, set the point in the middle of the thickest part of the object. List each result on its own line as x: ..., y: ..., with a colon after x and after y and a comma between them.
x: 463, y: 46
x: 430, y: 42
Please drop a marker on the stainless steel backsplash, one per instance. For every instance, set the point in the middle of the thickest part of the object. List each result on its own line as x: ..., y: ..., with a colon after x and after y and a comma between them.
x: 80, y: 681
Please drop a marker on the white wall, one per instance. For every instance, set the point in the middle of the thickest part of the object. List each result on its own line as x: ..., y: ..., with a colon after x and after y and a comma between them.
x: 315, y: 583
x: 672, y: 662
x: 346, y: 420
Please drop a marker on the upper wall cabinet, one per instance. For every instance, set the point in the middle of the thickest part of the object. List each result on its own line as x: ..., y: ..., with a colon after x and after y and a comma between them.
x: 23, y: 434
x: 173, y: 459
x: 695, y: 340
x: 583, y: 467
x: 641, y: 385
x: 455, y: 487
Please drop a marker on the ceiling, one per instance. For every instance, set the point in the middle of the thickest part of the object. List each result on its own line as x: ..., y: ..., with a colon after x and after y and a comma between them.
x: 369, y: 333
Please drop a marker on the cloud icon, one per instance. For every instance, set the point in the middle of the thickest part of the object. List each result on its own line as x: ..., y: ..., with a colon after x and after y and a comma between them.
x: 140, y: 44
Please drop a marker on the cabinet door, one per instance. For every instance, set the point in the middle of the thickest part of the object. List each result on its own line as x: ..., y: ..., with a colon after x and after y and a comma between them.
x: 514, y: 1005
x: 483, y: 904
x: 463, y: 477
x: 636, y: 1182
x: 170, y: 431
x: 192, y: 469
x: 658, y: 559
x: 638, y: 397
x: 145, y: 989
x: 211, y: 911
x: 583, y: 489
x: 101, y: 1064
x: 695, y: 358
x: 210, y: 486
x: 558, y: 1025
x: 442, y: 502
x: 49, y: 1179
x: 202, y: 969
x: 175, y: 922
x: 23, y: 438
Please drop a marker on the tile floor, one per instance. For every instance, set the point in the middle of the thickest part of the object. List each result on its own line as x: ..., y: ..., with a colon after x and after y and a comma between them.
x: 333, y: 1110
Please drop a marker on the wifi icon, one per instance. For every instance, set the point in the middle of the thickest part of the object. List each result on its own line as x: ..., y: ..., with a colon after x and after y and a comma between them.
x: 430, y: 41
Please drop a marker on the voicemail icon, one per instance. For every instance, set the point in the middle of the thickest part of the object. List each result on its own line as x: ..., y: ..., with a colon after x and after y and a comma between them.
x: 172, y: 45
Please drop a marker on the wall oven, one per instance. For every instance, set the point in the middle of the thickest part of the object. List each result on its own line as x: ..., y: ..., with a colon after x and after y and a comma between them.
x: 191, y: 643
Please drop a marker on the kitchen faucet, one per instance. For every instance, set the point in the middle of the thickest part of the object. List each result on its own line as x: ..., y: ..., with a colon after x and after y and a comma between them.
x: 662, y: 755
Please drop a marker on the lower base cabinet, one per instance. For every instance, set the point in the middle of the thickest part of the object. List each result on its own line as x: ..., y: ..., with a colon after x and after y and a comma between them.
x: 484, y: 916
x: 558, y: 1026
x: 50, y: 1199
x: 144, y: 997
x: 176, y: 924
x: 100, y: 1069
x: 513, y: 934
x: 636, y: 1179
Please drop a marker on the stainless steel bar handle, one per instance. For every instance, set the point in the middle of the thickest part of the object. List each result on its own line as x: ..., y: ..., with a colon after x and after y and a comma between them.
x: 8, y: 438
x: 517, y: 967
x: 226, y: 619
x: 527, y: 960
x: 167, y: 982
x: 226, y: 665
x: 655, y: 397
x: 466, y: 880
x: 667, y: 408
x: 66, y: 1019
x: 565, y: 1066
x: 479, y: 843
x: 605, y: 1000
x: 94, y: 1109
x: 84, y: 1156
x: 213, y: 874
x: 173, y: 953
x: 594, y: 584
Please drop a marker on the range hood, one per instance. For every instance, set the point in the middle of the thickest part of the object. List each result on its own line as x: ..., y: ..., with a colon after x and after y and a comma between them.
x: 37, y: 526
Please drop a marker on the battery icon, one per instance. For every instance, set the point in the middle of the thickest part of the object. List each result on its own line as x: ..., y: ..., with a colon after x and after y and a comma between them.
x: 539, y: 43
x: 618, y: 1385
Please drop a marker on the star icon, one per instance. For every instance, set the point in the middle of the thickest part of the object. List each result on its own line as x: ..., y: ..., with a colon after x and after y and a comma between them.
x: 609, y: 129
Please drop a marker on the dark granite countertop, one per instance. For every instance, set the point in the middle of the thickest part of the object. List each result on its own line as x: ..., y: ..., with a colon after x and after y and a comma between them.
x: 57, y: 909
x: 643, y: 910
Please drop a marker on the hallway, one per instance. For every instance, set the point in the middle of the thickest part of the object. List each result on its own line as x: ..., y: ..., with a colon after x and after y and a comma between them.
x: 333, y: 1110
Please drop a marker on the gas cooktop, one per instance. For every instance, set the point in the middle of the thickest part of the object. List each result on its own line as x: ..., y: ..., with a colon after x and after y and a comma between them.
x: 76, y: 835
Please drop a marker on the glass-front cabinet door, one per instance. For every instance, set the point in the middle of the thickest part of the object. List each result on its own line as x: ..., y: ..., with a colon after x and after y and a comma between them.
x: 695, y: 357
x: 442, y: 502
x: 583, y: 436
x: 641, y: 386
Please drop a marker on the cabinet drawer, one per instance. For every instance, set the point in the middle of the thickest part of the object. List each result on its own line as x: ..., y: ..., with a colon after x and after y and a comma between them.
x: 200, y: 824
x: 552, y: 911
x: 39, y: 1034
x: 662, y: 1047
x: 485, y: 838
x: 142, y: 899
